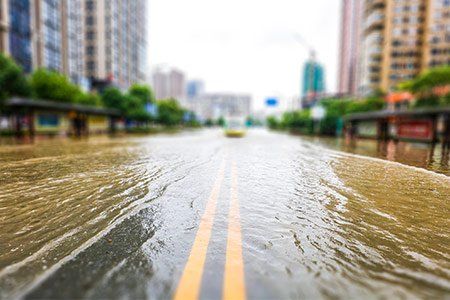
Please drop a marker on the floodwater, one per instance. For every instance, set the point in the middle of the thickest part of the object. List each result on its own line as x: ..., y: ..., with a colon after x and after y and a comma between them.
x: 423, y: 155
x: 117, y: 218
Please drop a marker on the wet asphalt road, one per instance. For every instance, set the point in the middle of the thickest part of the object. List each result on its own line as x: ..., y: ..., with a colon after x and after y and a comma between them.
x: 126, y: 217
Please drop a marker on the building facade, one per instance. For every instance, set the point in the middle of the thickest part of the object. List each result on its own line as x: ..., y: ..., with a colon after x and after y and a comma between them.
x: 349, y: 50
x: 16, y: 31
x: 313, y: 82
x: 73, y: 40
x: 216, y: 105
x: 177, y: 85
x: 4, y: 21
x: 47, y: 34
x: 194, y: 88
x: 115, y: 37
x: 169, y: 83
x: 160, y: 84
x: 103, y: 40
x: 402, y: 38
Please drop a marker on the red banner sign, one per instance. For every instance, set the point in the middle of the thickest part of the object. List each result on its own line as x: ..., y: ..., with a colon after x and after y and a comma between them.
x: 417, y: 129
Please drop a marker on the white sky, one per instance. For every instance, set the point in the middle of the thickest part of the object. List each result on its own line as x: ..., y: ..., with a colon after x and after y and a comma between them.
x: 244, y: 45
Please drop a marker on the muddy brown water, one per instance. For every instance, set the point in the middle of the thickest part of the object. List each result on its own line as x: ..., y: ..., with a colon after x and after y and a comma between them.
x: 116, y: 217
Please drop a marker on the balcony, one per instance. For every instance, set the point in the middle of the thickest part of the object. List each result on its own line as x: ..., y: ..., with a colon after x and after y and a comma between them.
x: 374, y: 22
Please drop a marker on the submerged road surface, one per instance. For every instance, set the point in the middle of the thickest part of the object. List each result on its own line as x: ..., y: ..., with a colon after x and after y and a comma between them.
x: 188, y: 215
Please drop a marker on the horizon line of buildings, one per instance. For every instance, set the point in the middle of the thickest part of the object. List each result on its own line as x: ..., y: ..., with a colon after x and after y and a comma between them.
x: 172, y: 83
x: 93, y: 43
x: 385, y: 42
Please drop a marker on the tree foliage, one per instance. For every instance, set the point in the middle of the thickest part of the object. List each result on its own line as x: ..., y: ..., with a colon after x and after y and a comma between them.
x: 113, y: 98
x: 143, y: 92
x: 336, y: 109
x: 89, y: 99
x: 220, y: 121
x: 12, y: 80
x: 428, y: 80
x: 273, y: 122
x: 170, y: 112
x: 50, y: 85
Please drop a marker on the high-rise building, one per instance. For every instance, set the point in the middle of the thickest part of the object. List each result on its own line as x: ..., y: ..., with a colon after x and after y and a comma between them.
x: 401, y: 38
x: 47, y: 34
x: 160, y: 84
x: 350, y: 41
x: 313, y: 82
x: 215, y: 105
x: 177, y: 85
x: 44, y: 33
x: 73, y: 40
x: 115, y: 37
x: 169, y: 83
x: 194, y: 88
x: 15, y: 31
x: 104, y: 40
x: 4, y: 26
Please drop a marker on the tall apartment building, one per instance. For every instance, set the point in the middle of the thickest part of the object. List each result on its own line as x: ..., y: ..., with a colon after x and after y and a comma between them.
x: 72, y: 24
x: 194, y: 88
x: 15, y: 31
x: 43, y: 33
x: 47, y: 34
x: 349, y: 50
x: 169, y: 83
x: 401, y: 38
x: 177, y: 81
x: 115, y: 37
x: 103, y: 40
x: 313, y: 82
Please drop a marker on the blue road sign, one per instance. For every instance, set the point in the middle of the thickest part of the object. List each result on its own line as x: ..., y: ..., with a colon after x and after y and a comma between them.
x: 272, y: 102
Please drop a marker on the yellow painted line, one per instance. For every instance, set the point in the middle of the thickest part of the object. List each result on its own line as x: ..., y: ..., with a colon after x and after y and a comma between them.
x: 234, y: 279
x: 189, y: 285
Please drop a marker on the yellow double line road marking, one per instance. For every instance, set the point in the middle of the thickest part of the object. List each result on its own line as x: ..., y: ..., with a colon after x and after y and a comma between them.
x: 234, y: 281
x: 189, y: 286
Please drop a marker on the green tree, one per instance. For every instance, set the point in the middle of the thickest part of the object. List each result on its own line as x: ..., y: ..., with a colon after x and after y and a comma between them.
x: 113, y: 98
x: 49, y: 85
x: 372, y: 103
x: 445, y: 101
x: 12, y: 80
x: 143, y: 92
x: 298, y: 120
x: 89, y: 99
x: 170, y: 112
x: 273, y: 122
x: 135, y: 109
x: 220, y: 121
x: 427, y: 101
x: 429, y: 79
x: 209, y: 123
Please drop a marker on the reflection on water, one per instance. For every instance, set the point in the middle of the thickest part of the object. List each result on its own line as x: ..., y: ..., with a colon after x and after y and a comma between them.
x: 398, y: 221
x: 422, y: 155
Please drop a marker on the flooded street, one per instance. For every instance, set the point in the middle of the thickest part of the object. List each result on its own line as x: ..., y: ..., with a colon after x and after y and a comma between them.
x: 118, y: 217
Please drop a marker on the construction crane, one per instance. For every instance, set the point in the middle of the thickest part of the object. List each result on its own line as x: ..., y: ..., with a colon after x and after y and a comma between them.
x: 306, y: 45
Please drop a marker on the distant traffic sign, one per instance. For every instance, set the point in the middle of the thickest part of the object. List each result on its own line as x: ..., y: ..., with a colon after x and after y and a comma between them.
x: 272, y: 102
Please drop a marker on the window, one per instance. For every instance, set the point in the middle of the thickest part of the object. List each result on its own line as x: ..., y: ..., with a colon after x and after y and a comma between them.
x: 48, y: 120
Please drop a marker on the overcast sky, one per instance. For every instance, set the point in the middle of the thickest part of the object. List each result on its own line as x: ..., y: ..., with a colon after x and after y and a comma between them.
x: 244, y: 45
